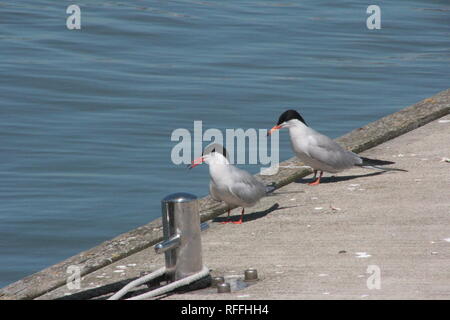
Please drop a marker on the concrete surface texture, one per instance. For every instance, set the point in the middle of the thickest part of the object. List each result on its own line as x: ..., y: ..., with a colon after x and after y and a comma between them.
x: 331, y: 241
x: 361, y: 234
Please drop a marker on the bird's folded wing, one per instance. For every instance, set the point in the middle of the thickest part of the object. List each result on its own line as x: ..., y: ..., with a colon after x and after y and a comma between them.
x: 246, y: 187
x: 331, y: 153
x: 244, y: 192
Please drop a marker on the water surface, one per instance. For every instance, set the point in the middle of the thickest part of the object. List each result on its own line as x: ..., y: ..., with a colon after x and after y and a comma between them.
x: 86, y: 115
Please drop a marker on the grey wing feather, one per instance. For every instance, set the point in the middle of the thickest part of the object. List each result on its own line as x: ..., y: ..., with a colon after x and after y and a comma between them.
x: 246, y: 187
x: 331, y: 153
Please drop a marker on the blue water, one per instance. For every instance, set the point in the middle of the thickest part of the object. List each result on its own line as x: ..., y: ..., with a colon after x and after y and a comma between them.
x: 86, y: 115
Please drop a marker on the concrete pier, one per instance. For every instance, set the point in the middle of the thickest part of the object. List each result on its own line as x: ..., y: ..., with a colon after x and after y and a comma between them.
x: 323, y: 242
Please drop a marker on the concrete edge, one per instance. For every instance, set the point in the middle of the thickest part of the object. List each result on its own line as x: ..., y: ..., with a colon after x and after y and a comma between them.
x: 147, y: 235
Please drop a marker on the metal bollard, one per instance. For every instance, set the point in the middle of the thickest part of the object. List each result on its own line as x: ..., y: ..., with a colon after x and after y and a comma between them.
x: 181, y: 229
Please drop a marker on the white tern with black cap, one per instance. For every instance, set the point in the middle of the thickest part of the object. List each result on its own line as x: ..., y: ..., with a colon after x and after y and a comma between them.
x: 321, y: 152
x: 234, y: 186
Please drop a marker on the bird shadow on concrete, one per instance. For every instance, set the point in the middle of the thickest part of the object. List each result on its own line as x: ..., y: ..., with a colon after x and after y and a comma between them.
x: 277, y: 193
x: 333, y: 179
x: 249, y: 216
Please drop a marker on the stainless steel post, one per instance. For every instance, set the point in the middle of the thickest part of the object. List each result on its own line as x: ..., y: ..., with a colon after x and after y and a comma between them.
x: 181, y: 230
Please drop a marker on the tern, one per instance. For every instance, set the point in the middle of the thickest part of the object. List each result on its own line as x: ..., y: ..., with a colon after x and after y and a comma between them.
x: 229, y: 184
x: 320, y: 152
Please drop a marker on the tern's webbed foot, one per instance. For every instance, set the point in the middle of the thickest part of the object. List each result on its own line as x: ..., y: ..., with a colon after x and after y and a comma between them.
x: 314, y: 183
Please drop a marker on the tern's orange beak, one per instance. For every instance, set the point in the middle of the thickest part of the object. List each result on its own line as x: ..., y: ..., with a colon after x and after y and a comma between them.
x: 196, y: 162
x: 273, y: 129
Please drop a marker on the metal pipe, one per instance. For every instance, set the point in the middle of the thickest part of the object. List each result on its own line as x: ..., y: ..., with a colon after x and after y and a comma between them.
x: 181, y: 230
x: 169, y: 244
x: 181, y: 245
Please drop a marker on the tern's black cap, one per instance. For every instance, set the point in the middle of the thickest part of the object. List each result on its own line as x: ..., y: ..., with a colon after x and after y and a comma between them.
x: 289, y: 115
x: 215, y: 147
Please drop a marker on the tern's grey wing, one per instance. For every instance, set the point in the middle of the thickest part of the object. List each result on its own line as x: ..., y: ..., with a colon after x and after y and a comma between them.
x: 246, y: 187
x: 329, y: 152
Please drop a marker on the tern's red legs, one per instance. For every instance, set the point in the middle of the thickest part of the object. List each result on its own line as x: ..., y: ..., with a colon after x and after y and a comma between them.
x: 317, y: 181
x: 240, y: 220
x: 228, y: 218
